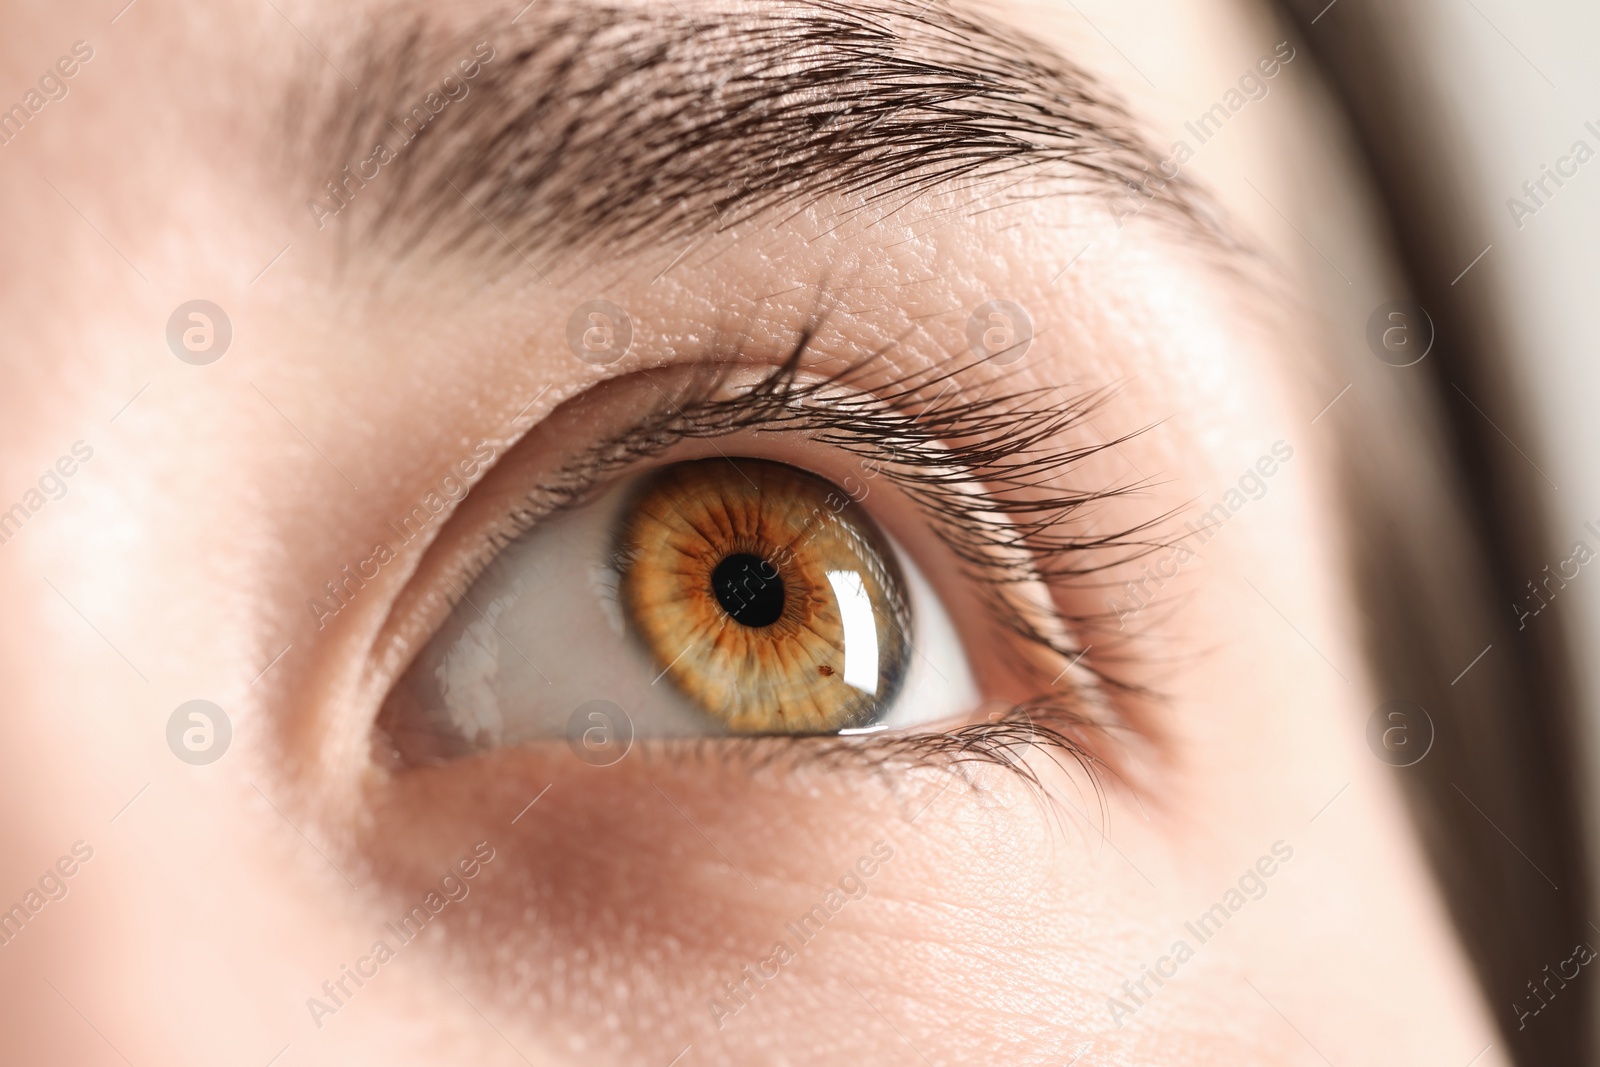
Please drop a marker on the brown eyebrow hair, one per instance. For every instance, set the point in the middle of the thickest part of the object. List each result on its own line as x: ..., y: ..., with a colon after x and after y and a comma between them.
x: 607, y: 126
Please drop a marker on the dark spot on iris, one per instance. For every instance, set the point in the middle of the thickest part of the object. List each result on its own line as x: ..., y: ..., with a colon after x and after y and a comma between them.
x: 749, y: 589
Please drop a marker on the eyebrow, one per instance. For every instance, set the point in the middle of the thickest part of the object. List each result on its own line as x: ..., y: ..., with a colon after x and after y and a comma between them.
x: 609, y: 128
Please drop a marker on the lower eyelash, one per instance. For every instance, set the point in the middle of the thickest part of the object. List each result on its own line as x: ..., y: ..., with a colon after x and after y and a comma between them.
x: 1050, y: 724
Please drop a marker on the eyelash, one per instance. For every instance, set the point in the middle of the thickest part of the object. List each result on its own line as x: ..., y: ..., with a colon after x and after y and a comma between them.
x: 1015, y: 532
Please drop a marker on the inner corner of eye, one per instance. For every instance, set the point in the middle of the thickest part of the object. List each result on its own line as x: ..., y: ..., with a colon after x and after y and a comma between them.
x: 703, y: 598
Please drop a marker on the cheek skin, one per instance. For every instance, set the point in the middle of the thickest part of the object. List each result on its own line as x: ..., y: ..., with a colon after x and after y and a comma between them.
x: 647, y: 875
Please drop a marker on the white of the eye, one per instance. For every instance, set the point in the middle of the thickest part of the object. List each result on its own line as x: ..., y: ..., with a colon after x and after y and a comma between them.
x: 860, y: 630
x: 938, y: 685
x: 468, y: 678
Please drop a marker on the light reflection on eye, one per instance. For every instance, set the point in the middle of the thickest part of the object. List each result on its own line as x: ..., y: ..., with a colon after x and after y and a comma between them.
x: 707, y: 597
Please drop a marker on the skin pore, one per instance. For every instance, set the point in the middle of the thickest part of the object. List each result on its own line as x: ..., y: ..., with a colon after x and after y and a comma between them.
x: 617, y: 919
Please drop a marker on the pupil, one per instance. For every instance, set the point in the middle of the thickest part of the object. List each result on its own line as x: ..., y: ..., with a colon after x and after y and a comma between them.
x: 749, y: 589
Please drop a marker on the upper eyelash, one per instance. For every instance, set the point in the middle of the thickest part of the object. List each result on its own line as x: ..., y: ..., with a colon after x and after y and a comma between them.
x: 935, y: 448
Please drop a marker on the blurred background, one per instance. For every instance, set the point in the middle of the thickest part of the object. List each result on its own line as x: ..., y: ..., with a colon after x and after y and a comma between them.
x: 1465, y: 107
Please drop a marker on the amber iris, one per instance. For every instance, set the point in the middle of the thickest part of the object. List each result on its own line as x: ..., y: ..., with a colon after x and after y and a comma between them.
x: 765, y: 594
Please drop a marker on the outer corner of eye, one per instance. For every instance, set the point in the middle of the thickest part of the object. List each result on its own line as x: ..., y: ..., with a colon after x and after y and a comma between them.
x: 701, y: 598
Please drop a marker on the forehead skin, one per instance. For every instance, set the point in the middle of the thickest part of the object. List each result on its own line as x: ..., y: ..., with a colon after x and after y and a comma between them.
x: 178, y: 563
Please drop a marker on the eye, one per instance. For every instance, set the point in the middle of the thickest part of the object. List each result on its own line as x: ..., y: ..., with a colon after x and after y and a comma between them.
x: 706, y: 597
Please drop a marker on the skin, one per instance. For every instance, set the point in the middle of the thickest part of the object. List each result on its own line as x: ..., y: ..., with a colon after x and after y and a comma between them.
x: 220, y: 498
